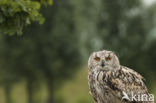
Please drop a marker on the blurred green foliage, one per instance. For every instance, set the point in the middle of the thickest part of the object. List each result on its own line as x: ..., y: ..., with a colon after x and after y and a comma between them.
x: 123, y: 26
x: 43, y: 53
x: 15, y: 14
x: 51, y: 53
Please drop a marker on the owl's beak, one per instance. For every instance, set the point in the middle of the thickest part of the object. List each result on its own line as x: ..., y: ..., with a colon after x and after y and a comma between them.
x: 103, y: 63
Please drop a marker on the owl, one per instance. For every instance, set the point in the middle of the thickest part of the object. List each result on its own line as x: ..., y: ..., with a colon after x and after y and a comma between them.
x: 111, y: 82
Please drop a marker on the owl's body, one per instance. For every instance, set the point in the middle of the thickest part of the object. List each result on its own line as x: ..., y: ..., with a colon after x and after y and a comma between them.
x: 109, y: 81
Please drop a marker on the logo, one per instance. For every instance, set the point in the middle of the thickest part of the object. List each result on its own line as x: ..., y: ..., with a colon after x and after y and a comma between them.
x: 139, y: 97
x: 125, y: 97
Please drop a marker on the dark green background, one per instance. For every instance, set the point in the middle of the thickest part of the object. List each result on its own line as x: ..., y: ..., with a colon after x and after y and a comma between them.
x: 48, y: 62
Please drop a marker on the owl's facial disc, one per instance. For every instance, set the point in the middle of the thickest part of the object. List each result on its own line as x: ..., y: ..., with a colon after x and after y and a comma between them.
x: 103, y: 60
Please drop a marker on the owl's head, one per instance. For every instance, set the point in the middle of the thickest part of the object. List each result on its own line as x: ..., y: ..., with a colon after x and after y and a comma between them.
x: 103, y: 60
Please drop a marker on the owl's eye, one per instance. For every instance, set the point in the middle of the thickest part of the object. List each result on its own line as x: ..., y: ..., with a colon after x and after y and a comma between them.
x: 108, y: 58
x: 97, y: 58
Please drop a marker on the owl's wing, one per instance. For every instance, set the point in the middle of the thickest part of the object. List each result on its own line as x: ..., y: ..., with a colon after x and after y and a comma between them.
x: 123, y: 82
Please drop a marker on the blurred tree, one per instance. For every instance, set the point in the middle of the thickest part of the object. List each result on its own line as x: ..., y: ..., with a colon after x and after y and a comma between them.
x: 86, y: 17
x: 7, y: 75
x: 15, y: 14
x: 49, y: 51
x: 124, y: 27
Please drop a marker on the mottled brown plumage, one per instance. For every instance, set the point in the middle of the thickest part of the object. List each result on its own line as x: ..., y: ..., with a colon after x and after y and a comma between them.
x: 108, y: 80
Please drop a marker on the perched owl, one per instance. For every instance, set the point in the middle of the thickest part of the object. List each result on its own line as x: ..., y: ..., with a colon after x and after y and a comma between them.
x: 110, y: 82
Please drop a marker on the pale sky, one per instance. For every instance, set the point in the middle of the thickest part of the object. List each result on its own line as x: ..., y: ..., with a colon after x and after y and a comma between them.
x: 148, y: 2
